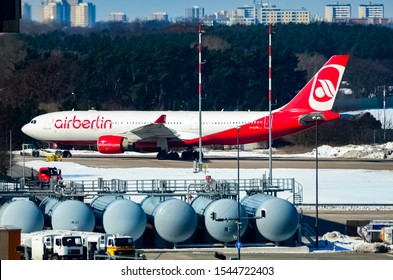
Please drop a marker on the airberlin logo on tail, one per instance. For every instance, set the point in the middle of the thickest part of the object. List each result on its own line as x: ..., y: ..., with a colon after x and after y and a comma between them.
x: 325, y: 86
x: 76, y: 123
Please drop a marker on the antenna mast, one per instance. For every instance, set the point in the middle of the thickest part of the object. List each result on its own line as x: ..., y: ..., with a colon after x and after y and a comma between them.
x: 270, y: 105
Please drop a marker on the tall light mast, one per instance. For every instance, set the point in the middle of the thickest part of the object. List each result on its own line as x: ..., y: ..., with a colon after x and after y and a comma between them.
x: 200, y: 31
x: 384, y: 113
x: 270, y: 105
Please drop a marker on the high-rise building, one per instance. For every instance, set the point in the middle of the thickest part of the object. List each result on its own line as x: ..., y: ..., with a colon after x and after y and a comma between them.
x: 69, y: 12
x: 337, y: 12
x: 370, y: 11
x: 26, y: 12
x: 248, y: 15
x: 117, y: 17
x: 266, y: 13
x: 57, y: 11
x: 84, y: 14
x: 159, y: 16
x: 74, y: 2
x: 195, y: 13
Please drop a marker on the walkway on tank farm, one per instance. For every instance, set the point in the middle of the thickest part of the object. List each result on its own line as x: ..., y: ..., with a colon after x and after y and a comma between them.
x: 183, y: 188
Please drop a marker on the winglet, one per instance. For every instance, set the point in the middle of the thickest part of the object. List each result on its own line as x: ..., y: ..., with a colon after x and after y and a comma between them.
x: 161, y: 119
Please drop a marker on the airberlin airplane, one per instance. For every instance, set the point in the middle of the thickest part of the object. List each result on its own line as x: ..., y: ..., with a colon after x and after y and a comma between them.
x: 158, y: 131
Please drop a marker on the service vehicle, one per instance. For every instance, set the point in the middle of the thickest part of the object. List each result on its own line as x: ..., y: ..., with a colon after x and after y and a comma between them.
x: 387, y: 235
x: 107, y: 245
x: 47, y: 174
x: 42, y: 245
x: 30, y: 150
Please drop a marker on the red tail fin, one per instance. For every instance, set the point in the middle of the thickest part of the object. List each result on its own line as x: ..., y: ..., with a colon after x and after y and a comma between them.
x: 320, y: 92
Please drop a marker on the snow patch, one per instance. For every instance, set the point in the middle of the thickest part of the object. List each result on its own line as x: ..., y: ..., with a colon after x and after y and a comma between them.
x: 371, y: 248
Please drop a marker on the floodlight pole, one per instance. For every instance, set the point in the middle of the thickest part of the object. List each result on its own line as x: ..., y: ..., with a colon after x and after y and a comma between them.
x: 238, y: 191
x: 316, y: 118
x: 10, y: 153
x: 384, y: 113
x: 24, y: 165
x: 200, y: 31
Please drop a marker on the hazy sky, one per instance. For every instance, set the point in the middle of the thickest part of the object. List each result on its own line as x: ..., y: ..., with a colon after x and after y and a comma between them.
x: 175, y: 8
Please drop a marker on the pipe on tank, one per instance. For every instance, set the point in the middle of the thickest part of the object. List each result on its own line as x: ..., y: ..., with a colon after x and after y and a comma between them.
x: 174, y: 220
x: 280, y: 218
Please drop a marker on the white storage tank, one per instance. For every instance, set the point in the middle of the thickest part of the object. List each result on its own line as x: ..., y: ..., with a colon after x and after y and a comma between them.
x: 23, y: 214
x: 67, y: 215
x: 174, y: 220
x: 280, y: 218
x: 119, y: 216
x: 223, y: 231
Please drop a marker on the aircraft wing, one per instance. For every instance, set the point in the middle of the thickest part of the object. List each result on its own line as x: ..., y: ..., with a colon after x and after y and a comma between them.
x: 154, y: 130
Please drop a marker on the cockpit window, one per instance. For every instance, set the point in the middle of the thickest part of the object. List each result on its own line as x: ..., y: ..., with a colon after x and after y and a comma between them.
x: 33, y: 121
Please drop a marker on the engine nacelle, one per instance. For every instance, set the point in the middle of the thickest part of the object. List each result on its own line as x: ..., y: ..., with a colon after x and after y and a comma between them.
x: 112, y: 144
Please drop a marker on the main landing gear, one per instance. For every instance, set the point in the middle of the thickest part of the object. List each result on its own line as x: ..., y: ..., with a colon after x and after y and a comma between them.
x: 64, y: 154
x: 172, y: 155
x: 162, y: 155
x: 190, y: 155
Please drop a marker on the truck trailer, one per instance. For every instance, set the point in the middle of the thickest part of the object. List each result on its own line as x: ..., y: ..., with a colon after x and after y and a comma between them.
x: 44, y: 245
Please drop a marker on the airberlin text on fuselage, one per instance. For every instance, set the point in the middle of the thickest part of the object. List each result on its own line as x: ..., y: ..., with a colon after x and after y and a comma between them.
x: 76, y: 123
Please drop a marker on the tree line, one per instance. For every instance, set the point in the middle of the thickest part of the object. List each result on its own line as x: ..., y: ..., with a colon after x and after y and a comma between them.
x: 155, y: 67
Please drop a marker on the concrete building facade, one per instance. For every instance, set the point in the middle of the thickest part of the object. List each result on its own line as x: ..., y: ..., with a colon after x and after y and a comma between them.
x: 337, y: 12
x: 371, y: 11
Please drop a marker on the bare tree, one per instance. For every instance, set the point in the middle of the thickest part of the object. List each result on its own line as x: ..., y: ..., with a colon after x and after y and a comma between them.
x: 215, y: 43
x: 365, y: 75
x: 50, y: 80
x: 12, y: 52
x: 310, y: 63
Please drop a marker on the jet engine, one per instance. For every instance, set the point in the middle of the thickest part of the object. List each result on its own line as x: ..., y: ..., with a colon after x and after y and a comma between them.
x: 112, y: 144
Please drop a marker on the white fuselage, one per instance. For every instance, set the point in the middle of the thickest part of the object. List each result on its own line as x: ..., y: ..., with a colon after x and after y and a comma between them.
x: 77, y: 127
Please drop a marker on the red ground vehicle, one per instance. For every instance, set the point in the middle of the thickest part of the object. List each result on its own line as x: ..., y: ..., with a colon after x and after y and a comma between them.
x: 45, y: 174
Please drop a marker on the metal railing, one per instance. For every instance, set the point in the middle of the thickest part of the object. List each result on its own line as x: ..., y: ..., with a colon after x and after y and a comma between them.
x: 181, y: 187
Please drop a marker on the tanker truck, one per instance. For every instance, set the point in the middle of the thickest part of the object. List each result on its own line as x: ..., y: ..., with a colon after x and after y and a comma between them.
x: 51, y: 246
x: 107, y: 246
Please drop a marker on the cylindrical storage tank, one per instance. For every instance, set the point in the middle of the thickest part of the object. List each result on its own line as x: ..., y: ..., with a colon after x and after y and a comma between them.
x: 23, y: 214
x: 174, y: 220
x: 223, y: 231
x: 280, y: 219
x: 99, y: 205
x: 73, y: 215
x: 47, y: 206
x: 119, y: 216
x: 125, y: 217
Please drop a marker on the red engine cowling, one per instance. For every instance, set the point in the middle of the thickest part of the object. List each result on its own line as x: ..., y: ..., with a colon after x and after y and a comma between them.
x: 112, y: 144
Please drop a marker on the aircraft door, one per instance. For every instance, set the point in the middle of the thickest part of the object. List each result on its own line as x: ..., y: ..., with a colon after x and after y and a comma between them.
x: 266, y: 123
x: 194, y: 123
x: 48, y: 123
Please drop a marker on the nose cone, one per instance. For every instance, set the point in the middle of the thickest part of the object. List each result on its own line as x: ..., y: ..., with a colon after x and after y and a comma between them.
x: 27, y: 129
